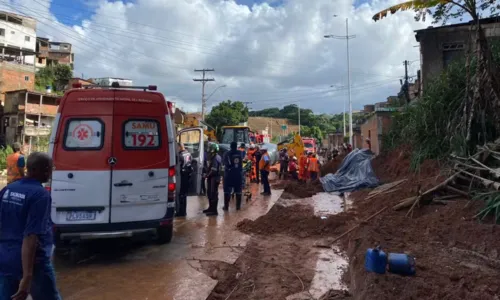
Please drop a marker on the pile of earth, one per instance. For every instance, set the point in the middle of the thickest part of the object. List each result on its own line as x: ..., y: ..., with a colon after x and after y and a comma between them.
x: 456, y: 256
x: 331, y: 166
x: 296, y: 220
x: 301, y: 190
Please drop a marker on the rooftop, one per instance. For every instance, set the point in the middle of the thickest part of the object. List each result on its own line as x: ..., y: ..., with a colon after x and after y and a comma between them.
x: 33, y: 93
x: 491, y: 20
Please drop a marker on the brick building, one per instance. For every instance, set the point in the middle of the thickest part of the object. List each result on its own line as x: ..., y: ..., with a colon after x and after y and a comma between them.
x: 439, y: 46
x: 27, y: 117
x: 53, y: 53
x: 17, y: 52
x: 375, y: 126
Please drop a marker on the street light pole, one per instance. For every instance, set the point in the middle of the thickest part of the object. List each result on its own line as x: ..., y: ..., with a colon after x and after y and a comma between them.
x: 299, y: 116
x: 349, y: 80
x: 221, y: 86
x: 347, y: 37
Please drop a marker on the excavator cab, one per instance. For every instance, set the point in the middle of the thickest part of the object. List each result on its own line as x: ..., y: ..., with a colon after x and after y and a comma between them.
x: 294, y: 145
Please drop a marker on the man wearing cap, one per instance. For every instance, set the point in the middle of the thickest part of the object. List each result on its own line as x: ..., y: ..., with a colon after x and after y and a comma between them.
x: 265, y: 168
x: 233, y: 175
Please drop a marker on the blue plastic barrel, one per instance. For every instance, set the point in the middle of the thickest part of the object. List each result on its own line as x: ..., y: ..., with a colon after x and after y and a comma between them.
x: 401, y: 264
x: 375, y: 260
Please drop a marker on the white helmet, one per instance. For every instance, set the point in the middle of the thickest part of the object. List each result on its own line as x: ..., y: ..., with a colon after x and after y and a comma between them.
x: 252, y: 146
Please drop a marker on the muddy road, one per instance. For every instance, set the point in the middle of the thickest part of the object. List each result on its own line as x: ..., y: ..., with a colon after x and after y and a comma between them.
x: 144, y: 270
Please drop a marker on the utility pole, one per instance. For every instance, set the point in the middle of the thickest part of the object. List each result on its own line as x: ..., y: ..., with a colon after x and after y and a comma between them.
x: 203, y: 81
x: 246, y: 104
x: 406, y: 87
x: 299, y: 116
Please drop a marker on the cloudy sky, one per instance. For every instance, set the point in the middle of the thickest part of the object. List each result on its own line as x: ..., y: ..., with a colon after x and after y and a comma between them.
x: 267, y: 52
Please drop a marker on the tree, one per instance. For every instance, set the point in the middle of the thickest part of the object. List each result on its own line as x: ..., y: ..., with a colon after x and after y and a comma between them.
x: 55, y: 76
x: 62, y: 75
x: 443, y: 10
x: 227, y: 113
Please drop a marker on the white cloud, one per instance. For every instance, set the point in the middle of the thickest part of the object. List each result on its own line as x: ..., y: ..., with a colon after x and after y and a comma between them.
x: 270, y: 56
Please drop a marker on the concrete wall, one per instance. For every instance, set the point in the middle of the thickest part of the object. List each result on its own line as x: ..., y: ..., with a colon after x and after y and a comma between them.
x: 15, y: 77
x: 374, y: 128
x: 436, y: 43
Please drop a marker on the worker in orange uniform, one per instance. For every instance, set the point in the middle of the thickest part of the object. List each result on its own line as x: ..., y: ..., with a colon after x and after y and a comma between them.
x: 313, y: 167
x: 15, y: 164
x: 251, y: 156
x: 302, y: 166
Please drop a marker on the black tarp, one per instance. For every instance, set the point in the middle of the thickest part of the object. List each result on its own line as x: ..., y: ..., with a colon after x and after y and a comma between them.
x: 354, y: 173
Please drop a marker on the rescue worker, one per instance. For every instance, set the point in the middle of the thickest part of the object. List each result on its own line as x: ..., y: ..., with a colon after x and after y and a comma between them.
x: 283, y: 163
x: 26, y: 241
x: 186, y: 169
x: 258, y: 156
x: 15, y: 164
x: 251, y: 157
x: 233, y: 173
x: 243, y: 149
x: 302, y: 166
x: 265, y: 169
x: 204, y: 170
x: 313, y: 167
x: 213, y: 180
x: 293, y: 168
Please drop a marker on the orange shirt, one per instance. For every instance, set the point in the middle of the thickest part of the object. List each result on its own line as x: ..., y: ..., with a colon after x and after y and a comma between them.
x: 13, y: 172
x: 313, y: 165
x: 263, y: 165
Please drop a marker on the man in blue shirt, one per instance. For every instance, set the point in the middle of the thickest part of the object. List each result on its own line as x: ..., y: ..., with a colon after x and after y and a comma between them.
x: 26, y: 235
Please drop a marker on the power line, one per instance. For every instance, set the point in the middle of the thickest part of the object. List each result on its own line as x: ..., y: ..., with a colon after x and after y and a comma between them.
x: 203, y: 81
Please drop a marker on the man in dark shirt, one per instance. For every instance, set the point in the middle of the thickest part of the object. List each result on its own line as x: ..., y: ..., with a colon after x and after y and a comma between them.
x: 258, y: 156
x: 213, y: 178
x: 186, y: 171
x: 26, y: 235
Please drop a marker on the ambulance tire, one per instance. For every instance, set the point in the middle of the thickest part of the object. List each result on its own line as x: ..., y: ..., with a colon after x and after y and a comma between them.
x: 164, y: 234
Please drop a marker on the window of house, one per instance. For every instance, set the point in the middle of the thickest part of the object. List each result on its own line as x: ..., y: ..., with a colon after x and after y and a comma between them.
x: 40, y: 60
x: 26, y: 78
x: 84, y: 134
x: 450, y: 56
x: 2, y: 32
x: 141, y: 134
x: 27, y: 38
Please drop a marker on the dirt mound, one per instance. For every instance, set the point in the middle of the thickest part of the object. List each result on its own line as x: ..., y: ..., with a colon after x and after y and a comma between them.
x: 331, y: 166
x: 296, y: 220
x: 300, y: 190
x: 336, y: 295
x: 456, y: 257
x: 271, y: 267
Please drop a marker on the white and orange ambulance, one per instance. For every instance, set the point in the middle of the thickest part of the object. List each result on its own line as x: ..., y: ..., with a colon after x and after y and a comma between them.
x: 114, y: 151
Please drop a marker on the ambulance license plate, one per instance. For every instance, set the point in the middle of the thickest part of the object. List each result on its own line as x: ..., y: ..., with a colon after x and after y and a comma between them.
x: 80, y: 216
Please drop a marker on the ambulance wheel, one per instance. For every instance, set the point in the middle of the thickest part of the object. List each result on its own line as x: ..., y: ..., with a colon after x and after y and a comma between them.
x: 164, y: 234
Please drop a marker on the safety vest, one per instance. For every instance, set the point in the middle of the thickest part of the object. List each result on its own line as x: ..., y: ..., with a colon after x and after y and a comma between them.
x: 263, y: 165
x: 13, y: 172
x: 313, y: 165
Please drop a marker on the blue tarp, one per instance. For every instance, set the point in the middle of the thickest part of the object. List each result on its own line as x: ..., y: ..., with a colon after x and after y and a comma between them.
x: 355, y: 172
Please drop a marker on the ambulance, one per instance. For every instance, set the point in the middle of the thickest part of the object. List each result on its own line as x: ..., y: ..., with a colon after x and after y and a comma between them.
x: 114, y: 152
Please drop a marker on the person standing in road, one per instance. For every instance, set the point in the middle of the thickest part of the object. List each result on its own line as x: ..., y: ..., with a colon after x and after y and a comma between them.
x: 258, y: 156
x: 265, y: 169
x: 313, y: 167
x: 204, y: 169
x: 26, y: 240
x: 293, y: 168
x: 186, y: 170
x: 213, y: 179
x: 233, y: 175
x: 283, y: 163
x: 15, y: 164
x: 302, y: 166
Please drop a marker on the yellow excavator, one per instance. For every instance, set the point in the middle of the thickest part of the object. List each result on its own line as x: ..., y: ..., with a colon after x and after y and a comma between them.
x: 294, y: 145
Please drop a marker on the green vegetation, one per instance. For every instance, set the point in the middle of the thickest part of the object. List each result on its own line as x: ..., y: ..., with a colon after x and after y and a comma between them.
x: 4, y: 152
x: 227, y: 113
x: 435, y: 122
x: 55, y: 76
x: 312, y: 125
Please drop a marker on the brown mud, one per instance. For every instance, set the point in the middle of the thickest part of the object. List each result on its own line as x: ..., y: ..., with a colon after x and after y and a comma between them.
x: 456, y: 257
